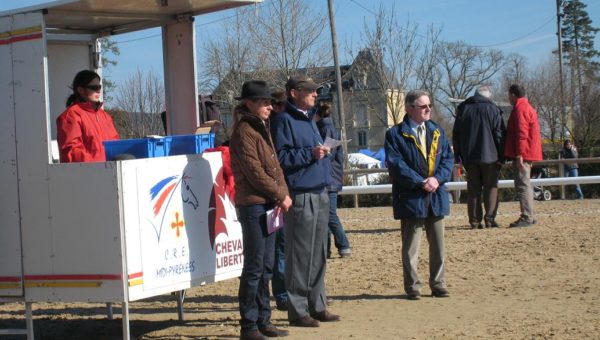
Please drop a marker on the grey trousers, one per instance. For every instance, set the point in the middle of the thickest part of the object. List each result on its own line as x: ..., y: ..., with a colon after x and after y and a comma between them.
x: 306, y: 225
x: 524, y: 190
x: 411, y: 243
x: 482, y: 176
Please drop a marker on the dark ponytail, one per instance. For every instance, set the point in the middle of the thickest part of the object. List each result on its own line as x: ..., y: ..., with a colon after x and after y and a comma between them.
x: 82, y: 79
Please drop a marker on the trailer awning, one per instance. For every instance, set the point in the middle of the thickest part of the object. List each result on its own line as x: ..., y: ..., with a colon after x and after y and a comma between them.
x: 107, y: 17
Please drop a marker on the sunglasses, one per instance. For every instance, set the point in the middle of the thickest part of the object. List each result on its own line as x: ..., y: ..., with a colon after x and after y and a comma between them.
x: 423, y: 107
x: 94, y: 87
x: 306, y: 90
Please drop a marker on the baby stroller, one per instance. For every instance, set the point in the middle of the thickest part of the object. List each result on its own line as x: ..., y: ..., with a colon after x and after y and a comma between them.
x: 539, y: 193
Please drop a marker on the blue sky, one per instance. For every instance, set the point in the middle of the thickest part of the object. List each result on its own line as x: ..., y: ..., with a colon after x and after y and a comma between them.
x: 527, y: 27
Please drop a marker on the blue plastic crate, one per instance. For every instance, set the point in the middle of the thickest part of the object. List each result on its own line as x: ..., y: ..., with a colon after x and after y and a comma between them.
x: 139, y: 148
x: 190, y: 144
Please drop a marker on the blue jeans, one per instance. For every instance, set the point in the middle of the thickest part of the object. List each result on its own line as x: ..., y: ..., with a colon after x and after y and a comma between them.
x: 335, y: 225
x: 259, y: 250
x: 278, y: 282
x: 575, y: 173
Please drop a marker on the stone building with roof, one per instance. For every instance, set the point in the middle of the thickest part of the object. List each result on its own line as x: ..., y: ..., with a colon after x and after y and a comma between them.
x: 370, y: 107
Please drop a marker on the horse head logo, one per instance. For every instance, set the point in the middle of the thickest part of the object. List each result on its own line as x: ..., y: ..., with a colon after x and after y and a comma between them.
x: 187, y: 195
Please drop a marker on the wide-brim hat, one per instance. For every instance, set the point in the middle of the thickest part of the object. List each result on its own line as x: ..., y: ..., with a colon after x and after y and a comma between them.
x: 255, y: 89
x: 301, y: 82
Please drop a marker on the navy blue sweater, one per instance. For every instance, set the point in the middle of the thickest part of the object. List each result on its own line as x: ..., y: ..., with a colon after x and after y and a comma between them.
x: 295, y: 135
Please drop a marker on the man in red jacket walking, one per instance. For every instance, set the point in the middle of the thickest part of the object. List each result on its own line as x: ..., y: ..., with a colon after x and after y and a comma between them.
x: 523, y: 146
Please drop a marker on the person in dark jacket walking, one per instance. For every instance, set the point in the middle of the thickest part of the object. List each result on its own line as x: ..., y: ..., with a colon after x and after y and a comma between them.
x: 419, y: 159
x: 326, y: 129
x: 569, y: 151
x: 260, y: 186
x: 307, y: 170
x: 478, y: 139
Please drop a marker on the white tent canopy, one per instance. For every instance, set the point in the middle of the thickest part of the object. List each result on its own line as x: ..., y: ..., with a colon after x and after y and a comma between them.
x: 362, y: 161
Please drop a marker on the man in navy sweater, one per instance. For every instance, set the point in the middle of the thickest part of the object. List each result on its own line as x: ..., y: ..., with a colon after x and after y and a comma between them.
x: 306, y: 165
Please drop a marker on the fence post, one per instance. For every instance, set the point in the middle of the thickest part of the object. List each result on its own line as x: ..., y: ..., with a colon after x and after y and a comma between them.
x: 561, y: 173
x: 355, y: 182
x: 456, y: 177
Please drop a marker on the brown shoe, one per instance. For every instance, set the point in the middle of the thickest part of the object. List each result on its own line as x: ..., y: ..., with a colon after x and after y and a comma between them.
x: 273, y: 332
x: 251, y: 334
x: 326, y: 316
x: 440, y: 292
x: 413, y: 295
x: 305, y: 321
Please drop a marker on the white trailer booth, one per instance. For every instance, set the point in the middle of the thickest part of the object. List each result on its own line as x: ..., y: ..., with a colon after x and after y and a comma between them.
x: 114, y: 231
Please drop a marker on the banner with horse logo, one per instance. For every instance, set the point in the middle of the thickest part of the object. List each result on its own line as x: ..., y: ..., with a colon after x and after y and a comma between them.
x: 188, y: 225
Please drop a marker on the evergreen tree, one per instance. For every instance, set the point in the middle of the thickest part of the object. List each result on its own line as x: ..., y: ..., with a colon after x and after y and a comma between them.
x: 578, y: 46
x: 578, y: 34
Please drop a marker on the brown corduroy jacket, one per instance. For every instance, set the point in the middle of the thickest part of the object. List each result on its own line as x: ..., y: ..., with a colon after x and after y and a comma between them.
x: 256, y: 170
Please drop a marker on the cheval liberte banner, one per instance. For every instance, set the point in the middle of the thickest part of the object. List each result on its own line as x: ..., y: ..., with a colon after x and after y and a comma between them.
x: 189, y: 228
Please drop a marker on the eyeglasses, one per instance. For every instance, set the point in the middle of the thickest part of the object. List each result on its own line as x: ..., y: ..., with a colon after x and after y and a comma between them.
x: 423, y: 107
x: 94, y: 87
x: 306, y: 90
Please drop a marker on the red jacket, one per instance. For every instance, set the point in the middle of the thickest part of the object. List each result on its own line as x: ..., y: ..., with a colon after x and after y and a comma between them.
x: 81, y: 131
x: 227, y: 173
x: 523, y: 133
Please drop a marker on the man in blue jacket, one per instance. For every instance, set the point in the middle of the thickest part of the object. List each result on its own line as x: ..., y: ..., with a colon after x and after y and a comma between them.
x: 420, y: 160
x: 307, y: 168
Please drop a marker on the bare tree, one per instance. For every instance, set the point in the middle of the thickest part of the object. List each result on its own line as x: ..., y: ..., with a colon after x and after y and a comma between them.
x: 270, y: 44
x: 225, y: 60
x: 289, y: 35
x: 228, y: 61
x: 387, y: 66
x: 543, y: 91
x: 140, y: 100
x: 428, y: 74
x: 515, y: 71
x: 586, y: 121
x: 465, y: 67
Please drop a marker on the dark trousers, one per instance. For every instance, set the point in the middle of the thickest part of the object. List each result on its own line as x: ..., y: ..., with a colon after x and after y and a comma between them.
x: 482, y: 176
x: 259, y: 250
x: 335, y: 226
x: 278, y: 282
x: 305, y: 254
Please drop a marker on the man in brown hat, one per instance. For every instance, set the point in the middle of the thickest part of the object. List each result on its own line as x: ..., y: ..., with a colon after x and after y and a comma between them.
x: 307, y: 170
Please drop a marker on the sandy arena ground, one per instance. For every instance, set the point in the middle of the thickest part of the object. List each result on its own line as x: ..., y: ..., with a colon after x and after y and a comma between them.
x: 532, y: 283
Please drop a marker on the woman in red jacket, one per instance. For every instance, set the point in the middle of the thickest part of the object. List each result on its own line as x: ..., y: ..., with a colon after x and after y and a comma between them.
x: 84, y: 125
